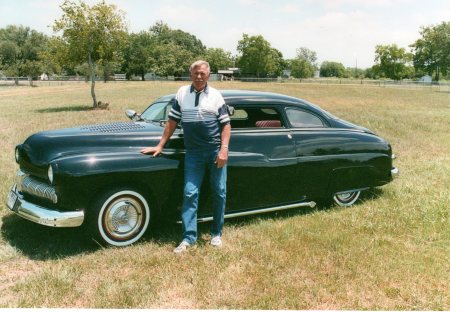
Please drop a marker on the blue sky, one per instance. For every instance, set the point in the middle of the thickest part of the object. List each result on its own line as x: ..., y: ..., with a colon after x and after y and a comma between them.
x: 344, y: 31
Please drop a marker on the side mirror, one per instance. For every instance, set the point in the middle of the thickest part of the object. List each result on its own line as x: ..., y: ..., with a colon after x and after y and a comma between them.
x: 130, y: 113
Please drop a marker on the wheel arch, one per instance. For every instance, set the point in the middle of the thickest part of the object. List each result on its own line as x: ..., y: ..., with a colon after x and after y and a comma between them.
x: 119, y: 183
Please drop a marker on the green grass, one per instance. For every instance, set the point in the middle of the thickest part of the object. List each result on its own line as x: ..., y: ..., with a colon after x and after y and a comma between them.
x: 391, y: 251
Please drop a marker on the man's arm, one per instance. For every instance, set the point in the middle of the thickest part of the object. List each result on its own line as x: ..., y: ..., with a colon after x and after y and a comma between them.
x: 169, y: 129
x: 222, y: 157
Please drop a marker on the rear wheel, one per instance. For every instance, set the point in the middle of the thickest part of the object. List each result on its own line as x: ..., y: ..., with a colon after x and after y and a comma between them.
x: 120, y: 218
x: 346, y: 199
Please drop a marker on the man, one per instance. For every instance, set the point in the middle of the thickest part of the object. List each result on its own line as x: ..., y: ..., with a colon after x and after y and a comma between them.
x: 206, y: 126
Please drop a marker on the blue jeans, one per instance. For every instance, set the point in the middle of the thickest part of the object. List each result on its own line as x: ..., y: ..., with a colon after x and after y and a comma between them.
x: 196, y: 164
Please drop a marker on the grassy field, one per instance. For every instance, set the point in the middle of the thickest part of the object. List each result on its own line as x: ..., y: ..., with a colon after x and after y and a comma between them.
x: 391, y: 251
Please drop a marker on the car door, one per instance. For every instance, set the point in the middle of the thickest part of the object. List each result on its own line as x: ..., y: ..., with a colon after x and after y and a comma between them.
x: 315, y: 145
x: 262, y: 162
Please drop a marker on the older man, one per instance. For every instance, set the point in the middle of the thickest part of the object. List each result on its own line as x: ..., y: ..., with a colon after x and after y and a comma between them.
x: 204, y: 116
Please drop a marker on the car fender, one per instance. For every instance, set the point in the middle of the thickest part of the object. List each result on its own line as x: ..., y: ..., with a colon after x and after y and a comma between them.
x: 102, y: 171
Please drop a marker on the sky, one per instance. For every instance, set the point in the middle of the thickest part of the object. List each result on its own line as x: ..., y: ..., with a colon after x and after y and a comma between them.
x: 344, y: 31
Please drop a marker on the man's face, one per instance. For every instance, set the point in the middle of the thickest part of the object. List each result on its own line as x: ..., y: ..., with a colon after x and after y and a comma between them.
x: 199, y: 76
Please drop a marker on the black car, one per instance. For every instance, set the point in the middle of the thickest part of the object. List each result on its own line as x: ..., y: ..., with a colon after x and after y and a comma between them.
x: 284, y: 153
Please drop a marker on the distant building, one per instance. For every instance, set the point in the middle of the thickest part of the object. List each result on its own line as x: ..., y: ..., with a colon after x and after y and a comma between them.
x: 120, y: 77
x: 227, y: 74
x: 150, y: 76
x: 286, y: 73
x: 426, y: 79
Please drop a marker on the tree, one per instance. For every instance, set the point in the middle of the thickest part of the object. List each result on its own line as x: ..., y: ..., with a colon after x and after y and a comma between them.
x: 91, y: 34
x: 304, y: 64
x: 9, y: 57
x: 332, y: 69
x: 164, y: 35
x: 55, y: 57
x: 218, y: 59
x: 392, y: 61
x: 21, y: 51
x: 258, y: 58
x: 373, y: 72
x: 174, y: 50
x: 171, y: 60
x: 138, y: 56
x: 355, y: 72
x: 277, y: 63
x: 432, y: 51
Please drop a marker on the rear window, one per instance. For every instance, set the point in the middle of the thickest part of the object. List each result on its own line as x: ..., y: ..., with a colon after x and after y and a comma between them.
x: 303, y: 119
x: 256, y: 118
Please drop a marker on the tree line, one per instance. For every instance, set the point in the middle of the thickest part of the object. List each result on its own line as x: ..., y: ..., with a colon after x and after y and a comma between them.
x: 93, y: 41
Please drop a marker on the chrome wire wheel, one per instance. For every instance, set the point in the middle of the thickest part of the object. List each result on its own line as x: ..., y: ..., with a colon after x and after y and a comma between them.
x: 346, y: 199
x: 123, y: 218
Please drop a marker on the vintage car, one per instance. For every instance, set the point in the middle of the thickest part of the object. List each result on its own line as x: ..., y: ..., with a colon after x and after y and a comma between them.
x: 284, y: 153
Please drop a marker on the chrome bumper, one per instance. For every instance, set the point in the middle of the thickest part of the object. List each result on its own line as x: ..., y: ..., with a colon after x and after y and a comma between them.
x: 42, y: 215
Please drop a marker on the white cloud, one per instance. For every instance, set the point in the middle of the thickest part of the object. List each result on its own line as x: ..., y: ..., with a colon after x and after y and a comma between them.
x: 338, y: 30
x: 333, y: 4
x: 290, y: 8
x: 182, y: 14
x: 248, y: 2
x: 335, y: 36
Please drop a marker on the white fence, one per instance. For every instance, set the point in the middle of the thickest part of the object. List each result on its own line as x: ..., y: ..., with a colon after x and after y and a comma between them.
x: 60, y: 80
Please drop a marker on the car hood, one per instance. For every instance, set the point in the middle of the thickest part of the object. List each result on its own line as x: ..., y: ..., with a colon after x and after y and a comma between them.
x: 43, y: 147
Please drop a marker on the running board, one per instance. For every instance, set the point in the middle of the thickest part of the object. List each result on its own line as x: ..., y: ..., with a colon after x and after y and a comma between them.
x: 310, y: 204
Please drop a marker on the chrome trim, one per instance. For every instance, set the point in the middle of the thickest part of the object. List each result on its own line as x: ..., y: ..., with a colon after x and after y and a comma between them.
x: 310, y: 204
x: 293, y: 129
x: 352, y: 191
x: 395, y: 172
x: 50, y: 173
x: 45, y: 216
x: 16, y: 154
x: 29, y: 185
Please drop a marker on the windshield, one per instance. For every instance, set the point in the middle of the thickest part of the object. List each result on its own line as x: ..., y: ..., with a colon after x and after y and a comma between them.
x: 157, y: 111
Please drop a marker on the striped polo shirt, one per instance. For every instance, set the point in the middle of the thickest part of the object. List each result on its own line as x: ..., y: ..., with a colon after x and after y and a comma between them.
x: 202, y: 115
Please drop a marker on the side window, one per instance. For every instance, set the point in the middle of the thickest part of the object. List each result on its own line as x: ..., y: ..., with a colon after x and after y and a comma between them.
x: 303, y: 119
x: 166, y: 113
x: 254, y: 117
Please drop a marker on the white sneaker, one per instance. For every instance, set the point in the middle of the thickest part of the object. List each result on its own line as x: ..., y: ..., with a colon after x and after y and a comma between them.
x: 182, y: 247
x: 216, y: 241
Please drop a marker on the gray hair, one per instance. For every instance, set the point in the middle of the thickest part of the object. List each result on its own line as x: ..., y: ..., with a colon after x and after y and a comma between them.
x: 199, y: 63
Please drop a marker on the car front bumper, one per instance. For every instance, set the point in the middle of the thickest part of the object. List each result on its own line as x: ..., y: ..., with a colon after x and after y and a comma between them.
x: 42, y: 215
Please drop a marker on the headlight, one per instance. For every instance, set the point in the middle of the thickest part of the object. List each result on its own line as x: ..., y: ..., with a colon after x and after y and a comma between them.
x: 50, y: 173
x: 17, y: 155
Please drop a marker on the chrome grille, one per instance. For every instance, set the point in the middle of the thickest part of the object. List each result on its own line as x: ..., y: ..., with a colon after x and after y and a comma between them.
x: 29, y: 185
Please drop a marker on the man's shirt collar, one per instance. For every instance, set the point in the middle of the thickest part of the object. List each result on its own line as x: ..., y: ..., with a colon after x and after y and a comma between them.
x: 205, y: 89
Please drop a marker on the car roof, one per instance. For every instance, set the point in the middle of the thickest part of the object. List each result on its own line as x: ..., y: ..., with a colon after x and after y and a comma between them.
x: 258, y: 96
x: 233, y: 97
x: 262, y: 96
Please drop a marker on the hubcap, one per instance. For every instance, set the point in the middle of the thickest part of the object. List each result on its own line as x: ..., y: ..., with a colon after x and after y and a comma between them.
x: 123, y: 218
x: 346, y: 199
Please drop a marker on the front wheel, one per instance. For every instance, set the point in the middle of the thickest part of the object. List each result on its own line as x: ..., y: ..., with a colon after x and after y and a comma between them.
x: 346, y: 199
x: 120, y: 218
